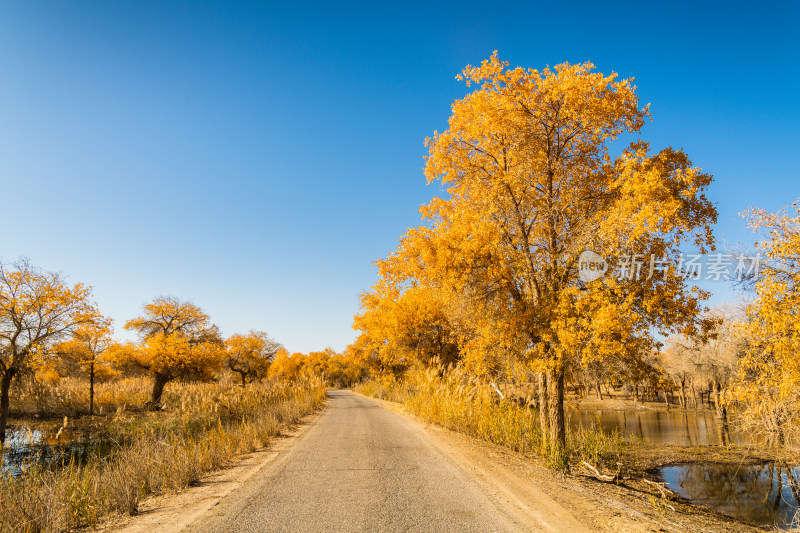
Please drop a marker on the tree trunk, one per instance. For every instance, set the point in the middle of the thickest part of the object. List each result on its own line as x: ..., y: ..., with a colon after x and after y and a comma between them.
x: 694, y: 394
x: 91, y: 390
x: 722, y: 413
x: 5, y: 385
x: 558, y: 434
x: 683, y: 393
x: 544, y: 410
x: 666, y: 399
x: 724, y: 433
x: 635, y: 394
x: 158, y: 387
x: 599, y: 391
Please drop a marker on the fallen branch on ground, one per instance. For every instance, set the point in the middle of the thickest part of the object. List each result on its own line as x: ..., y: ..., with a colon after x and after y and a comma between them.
x: 601, y: 477
x: 662, y: 488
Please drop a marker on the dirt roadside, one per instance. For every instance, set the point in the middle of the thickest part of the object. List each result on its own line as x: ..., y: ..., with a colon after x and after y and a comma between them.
x: 171, y: 513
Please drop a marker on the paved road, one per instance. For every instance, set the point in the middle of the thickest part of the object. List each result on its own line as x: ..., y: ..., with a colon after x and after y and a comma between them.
x: 360, y: 467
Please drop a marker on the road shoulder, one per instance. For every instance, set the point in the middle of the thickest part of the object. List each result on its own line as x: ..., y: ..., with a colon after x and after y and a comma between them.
x: 172, y: 513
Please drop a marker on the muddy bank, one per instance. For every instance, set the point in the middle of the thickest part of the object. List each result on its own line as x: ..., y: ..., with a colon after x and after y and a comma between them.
x: 746, y: 485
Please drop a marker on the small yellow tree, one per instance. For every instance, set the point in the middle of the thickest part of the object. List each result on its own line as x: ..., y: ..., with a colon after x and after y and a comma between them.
x: 250, y: 355
x: 178, y: 341
x: 407, y: 326
x: 286, y: 367
x: 86, y: 348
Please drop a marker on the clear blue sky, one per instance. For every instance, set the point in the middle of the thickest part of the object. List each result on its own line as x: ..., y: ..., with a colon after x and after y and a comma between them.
x: 257, y: 158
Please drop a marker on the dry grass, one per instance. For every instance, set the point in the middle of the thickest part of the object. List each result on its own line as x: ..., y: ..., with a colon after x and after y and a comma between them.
x: 70, y: 396
x: 202, y: 427
x: 458, y: 402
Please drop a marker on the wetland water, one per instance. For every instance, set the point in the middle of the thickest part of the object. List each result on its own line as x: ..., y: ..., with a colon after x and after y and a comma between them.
x: 679, y: 428
x: 763, y: 495
x: 24, y: 447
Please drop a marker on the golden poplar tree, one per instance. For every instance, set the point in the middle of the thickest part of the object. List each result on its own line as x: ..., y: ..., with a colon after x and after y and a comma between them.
x: 250, y: 355
x: 407, y: 326
x: 530, y: 185
x: 178, y: 341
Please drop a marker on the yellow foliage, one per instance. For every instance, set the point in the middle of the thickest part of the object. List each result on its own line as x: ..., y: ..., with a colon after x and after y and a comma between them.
x: 174, y: 355
x: 337, y: 370
x: 47, y: 375
x: 178, y: 341
x: 285, y: 367
x: 408, y: 326
x: 250, y: 355
x: 769, y: 380
x: 87, y: 345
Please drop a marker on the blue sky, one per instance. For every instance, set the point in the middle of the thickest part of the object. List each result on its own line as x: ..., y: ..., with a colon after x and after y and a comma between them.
x: 257, y: 158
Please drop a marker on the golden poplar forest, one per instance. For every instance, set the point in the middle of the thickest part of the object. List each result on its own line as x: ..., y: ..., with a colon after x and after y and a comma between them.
x: 478, y: 321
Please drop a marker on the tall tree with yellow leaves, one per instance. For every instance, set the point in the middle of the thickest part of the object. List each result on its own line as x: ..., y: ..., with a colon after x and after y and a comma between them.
x: 530, y: 185
x: 37, y: 310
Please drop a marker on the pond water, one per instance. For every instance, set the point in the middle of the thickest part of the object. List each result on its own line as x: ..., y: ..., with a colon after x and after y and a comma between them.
x: 763, y: 495
x: 658, y: 427
x: 24, y: 447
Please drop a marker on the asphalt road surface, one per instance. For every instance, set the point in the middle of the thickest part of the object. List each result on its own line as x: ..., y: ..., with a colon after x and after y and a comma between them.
x: 360, y: 467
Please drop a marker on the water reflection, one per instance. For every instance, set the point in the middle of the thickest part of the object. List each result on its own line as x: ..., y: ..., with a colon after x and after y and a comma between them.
x: 658, y: 427
x: 763, y: 495
x: 24, y: 447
